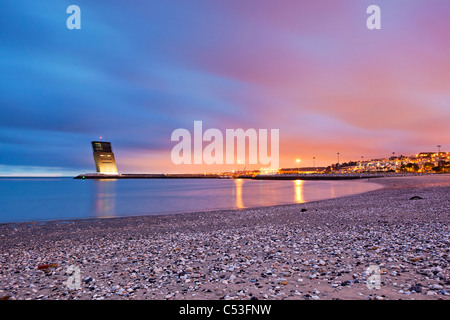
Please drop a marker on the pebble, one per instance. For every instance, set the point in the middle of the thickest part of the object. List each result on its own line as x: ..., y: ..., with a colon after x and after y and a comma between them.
x: 272, y: 253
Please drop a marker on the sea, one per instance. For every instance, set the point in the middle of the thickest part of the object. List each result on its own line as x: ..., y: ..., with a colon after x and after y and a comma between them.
x: 53, y: 199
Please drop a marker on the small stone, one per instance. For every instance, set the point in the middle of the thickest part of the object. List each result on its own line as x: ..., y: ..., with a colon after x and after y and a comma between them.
x: 416, y: 288
x: 437, y: 287
x: 415, y: 259
x: 345, y: 283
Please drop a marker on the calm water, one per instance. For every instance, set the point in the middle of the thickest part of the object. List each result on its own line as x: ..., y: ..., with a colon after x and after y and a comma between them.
x: 40, y: 199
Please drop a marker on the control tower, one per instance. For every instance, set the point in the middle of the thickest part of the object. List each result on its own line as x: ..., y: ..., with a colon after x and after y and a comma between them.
x: 105, y: 162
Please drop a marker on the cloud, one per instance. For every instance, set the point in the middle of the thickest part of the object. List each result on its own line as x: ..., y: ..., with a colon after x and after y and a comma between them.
x: 136, y: 72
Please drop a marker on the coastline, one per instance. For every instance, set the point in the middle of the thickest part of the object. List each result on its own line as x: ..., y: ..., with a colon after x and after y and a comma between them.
x: 291, y: 176
x: 315, y: 250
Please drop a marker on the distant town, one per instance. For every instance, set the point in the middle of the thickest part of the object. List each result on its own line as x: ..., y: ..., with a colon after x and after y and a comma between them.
x: 421, y: 163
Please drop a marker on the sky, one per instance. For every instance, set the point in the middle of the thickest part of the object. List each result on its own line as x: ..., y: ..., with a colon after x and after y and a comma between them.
x: 138, y: 70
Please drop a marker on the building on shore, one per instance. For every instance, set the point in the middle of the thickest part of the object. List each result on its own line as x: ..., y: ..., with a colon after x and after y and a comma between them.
x: 301, y: 170
x: 105, y: 163
x: 422, y: 162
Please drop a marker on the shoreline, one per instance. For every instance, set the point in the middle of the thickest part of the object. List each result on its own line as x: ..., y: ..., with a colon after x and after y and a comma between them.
x: 314, y: 250
x: 290, y: 176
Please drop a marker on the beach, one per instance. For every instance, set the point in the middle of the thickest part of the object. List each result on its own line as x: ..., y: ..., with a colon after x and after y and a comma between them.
x: 316, y: 250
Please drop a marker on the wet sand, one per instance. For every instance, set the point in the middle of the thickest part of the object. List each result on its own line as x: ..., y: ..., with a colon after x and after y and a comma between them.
x: 317, y: 250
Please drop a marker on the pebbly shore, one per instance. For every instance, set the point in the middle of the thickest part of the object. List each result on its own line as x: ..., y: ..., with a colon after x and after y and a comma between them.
x: 317, y: 250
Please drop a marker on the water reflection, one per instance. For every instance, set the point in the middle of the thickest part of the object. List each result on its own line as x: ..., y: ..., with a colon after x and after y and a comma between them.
x: 332, y: 192
x: 65, y: 198
x: 104, y: 198
x: 238, y: 185
x: 298, y: 184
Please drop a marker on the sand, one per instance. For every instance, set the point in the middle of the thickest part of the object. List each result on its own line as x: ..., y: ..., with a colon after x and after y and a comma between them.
x: 317, y: 250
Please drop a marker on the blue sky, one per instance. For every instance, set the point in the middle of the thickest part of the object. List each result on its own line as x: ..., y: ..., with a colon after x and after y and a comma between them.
x: 138, y: 70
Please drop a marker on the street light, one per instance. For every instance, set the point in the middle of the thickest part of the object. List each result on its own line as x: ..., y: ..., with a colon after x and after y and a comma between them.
x: 439, y: 154
x: 338, y: 160
x: 314, y: 163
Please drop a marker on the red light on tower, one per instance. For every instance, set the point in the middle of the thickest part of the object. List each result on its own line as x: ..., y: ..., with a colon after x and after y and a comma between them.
x: 101, y: 138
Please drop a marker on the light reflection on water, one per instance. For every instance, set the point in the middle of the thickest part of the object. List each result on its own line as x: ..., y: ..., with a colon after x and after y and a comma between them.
x: 37, y: 199
x: 298, y: 191
x: 238, y: 186
x: 105, y: 195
